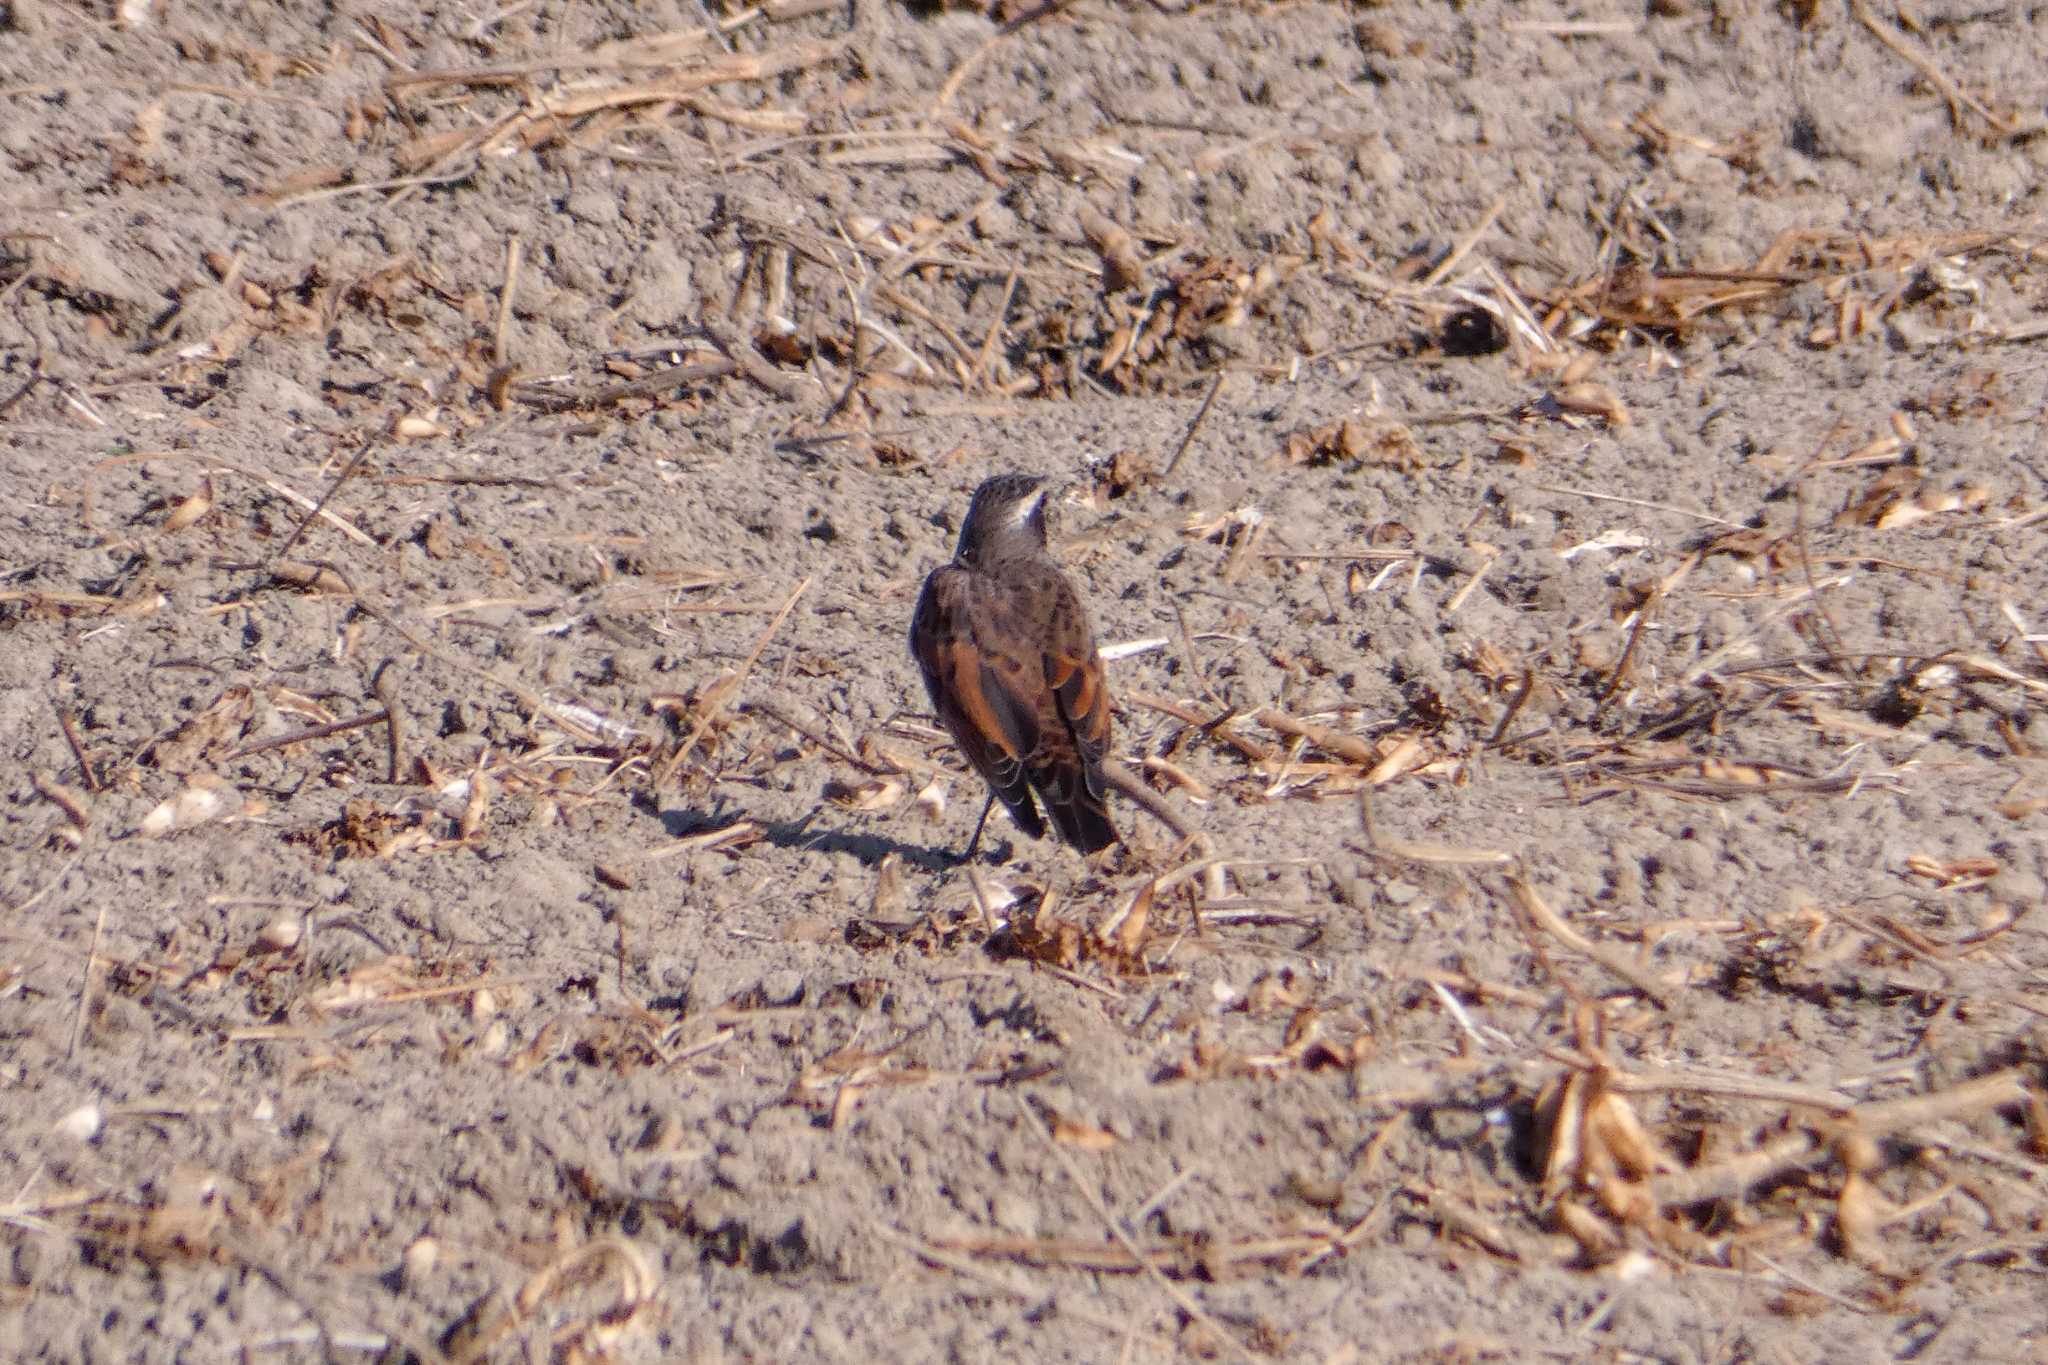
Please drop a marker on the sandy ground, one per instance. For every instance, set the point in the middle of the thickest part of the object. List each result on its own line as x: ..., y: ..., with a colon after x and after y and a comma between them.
x: 1608, y: 435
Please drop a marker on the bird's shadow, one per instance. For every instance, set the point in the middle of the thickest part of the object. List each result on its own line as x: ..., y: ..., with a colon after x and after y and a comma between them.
x: 805, y: 836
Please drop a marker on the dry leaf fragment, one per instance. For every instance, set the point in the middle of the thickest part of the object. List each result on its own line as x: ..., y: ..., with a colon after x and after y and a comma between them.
x: 1899, y: 497
x: 190, y: 509
x: 1122, y: 266
x: 882, y: 793
x: 312, y: 577
x: 82, y: 1124
x: 1595, y: 1235
x: 378, y: 979
x: 1087, y: 1137
x: 1595, y: 399
x: 281, y: 934
x: 1860, y: 1216
x: 1954, y: 873
x: 1123, y: 929
x: 476, y: 808
x: 208, y: 798
x: 1928, y: 503
x: 418, y: 1261
x: 1611, y: 1121
x: 1560, y: 1117
x: 890, y: 895
x: 1377, y: 443
x: 411, y: 427
x: 77, y: 810
x: 1273, y: 991
x: 930, y: 800
x: 1404, y: 755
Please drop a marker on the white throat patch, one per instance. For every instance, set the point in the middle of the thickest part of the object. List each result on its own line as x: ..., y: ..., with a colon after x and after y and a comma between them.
x: 1021, y: 514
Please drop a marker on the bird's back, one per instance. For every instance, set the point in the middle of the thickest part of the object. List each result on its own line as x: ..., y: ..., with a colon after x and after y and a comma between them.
x: 1011, y: 665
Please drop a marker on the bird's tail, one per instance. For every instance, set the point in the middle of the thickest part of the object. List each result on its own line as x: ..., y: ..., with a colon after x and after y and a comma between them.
x: 1081, y: 818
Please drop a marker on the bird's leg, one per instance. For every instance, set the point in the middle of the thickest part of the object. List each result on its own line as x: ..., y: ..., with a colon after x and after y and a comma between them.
x: 975, y: 842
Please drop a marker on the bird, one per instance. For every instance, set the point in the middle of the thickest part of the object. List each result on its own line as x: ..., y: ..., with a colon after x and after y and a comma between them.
x: 1009, y: 659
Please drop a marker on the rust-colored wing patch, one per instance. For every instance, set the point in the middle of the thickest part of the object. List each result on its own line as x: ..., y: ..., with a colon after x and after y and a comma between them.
x: 1015, y: 678
x: 978, y: 707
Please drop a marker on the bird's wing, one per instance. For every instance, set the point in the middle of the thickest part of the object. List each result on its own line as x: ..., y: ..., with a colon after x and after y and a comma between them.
x: 976, y: 688
x: 1073, y: 672
x: 1068, y: 775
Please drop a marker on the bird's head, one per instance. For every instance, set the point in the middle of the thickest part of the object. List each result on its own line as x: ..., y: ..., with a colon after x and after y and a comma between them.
x: 1008, y: 512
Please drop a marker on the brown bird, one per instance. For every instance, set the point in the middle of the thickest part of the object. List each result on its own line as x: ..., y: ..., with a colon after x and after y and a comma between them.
x: 1010, y: 662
